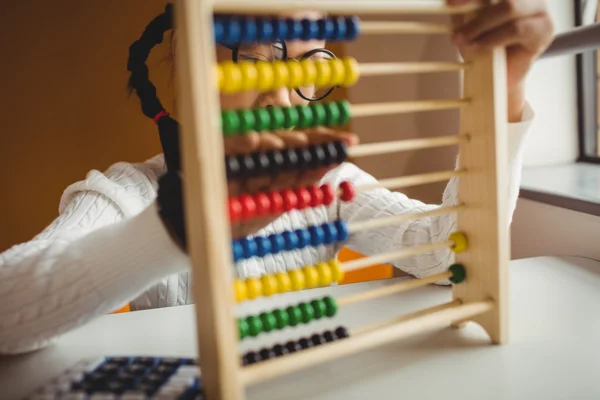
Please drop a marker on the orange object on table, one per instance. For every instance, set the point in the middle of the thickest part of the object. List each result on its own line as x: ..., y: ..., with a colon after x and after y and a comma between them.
x: 370, y: 273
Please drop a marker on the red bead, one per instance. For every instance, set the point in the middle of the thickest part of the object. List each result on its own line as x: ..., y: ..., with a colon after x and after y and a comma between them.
x: 290, y: 200
x: 348, y: 192
x: 248, y: 206
x: 235, y: 209
x: 328, y: 194
x: 316, y: 196
x: 304, y: 198
x: 276, y: 203
x: 263, y: 204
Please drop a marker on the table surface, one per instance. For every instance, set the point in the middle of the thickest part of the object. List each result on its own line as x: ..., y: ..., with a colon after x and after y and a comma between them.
x: 554, y: 324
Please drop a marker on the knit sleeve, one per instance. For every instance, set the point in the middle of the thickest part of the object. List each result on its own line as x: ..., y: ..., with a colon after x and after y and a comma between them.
x: 86, y: 263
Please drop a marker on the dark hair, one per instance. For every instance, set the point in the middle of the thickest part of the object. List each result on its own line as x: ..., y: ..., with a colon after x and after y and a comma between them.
x: 139, y: 82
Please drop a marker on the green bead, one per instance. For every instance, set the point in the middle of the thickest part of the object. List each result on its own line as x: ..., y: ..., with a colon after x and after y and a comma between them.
x: 459, y: 273
x: 331, y: 306
x: 268, y: 321
x: 305, y: 119
x: 281, y: 317
x: 263, y: 119
x: 319, y: 115
x: 320, y: 308
x: 344, y: 109
x: 243, y: 327
x: 308, y: 312
x: 255, y: 325
x: 332, y: 113
x: 277, y: 118
x: 247, y: 120
x: 291, y: 117
x: 294, y: 315
x: 231, y: 122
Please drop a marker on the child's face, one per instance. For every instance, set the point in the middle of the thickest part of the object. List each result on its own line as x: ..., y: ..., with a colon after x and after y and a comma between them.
x: 279, y: 97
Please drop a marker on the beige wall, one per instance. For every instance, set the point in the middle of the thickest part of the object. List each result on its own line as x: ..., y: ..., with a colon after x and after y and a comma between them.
x: 66, y: 108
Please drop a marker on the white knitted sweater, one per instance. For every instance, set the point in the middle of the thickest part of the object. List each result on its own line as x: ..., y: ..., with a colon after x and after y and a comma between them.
x: 108, y: 247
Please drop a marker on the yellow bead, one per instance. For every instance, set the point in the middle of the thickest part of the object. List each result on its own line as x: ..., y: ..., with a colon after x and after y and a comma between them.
x: 284, y: 283
x: 265, y: 76
x: 311, y: 276
x: 460, y: 242
x: 280, y: 74
x: 323, y: 73
x: 337, y: 72
x: 337, y: 273
x: 232, y: 77
x: 297, y: 279
x: 253, y: 288
x: 295, y: 74
x: 351, y: 73
x: 325, y: 275
x: 240, y: 290
x: 269, y: 284
x: 309, y: 72
x: 249, y: 75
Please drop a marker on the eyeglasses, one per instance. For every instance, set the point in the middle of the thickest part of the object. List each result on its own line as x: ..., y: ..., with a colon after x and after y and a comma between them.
x: 268, y: 52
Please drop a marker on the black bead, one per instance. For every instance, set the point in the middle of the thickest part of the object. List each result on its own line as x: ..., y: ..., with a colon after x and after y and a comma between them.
x: 109, y: 368
x: 304, y: 159
x: 247, y: 166
x: 251, y: 357
x: 319, y: 157
x: 328, y: 336
x: 304, y: 343
x: 331, y: 153
x: 342, y: 152
x: 317, y: 339
x: 127, y: 378
x: 280, y: 350
x: 232, y: 167
x: 261, y: 162
x: 341, y: 332
x: 292, y: 346
x: 266, y: 354
x: 119, y: 360
x: 276, y: 161
x: 290, y: 160
x: 116, y: 387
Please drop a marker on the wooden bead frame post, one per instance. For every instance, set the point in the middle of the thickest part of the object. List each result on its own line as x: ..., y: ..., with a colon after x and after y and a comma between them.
x: 482, y: 213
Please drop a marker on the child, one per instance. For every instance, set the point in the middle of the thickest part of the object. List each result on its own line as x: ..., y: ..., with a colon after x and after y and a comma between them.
x: 110, y: 244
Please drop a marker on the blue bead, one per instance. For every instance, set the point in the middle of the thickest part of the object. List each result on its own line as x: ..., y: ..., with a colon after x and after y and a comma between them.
x: 238, y: 251
x: 352, y: 27
x: 264, y: 30
x: 248, y: 30
x: 280, y: 29
x: 330, y: 233
x: 342, y: 230
x: 303, y: 238
x: 277, y: 243
x: 291, y: 240
x: 250, y: 247
x: 310, y: 29
x: 219, y: 31
x: 294, y: 29
x: 233, y: 31
x: 326, y: 28
x: 339, y: 31
x: 317, y: 235
x: 263, y: 245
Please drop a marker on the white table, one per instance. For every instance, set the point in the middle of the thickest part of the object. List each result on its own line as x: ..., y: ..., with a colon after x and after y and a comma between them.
x: 552, y: 354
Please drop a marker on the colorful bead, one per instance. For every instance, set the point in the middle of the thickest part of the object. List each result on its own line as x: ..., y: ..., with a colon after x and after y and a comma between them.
x: 284, y: 283
x: 305, y: 117
x: 331, y: 234
x: 243, y: 328
x: 276, y: 201
x: 280, y: 74
x: 459, y: 273
x: 238, y: 251
x: 232, y: 30
x: 325, y: 275
x: 317, y: 235
x: 324, y: 75
x: 247, y: 120
x: 291, y: 117
x: 348, y: 192
x: 294, y: 315
x: 249, y: 75
x: 230, y: 121
x: 307, y: 312
x: 294, y: 29
x: 291, y: 240
x: 282, y: 318
x: 344, y: 107
x: 297, y: 279
x: 240, y: 290
x: 263, y: 204
x: 295, y: 74
x: 352, y: 72
x: 248, y: 29
x: 232, y: 77
x: 318, y: 114
x: 332, y: 114
x: 269, y: 322
x: 264, y: 30
x: 319, y: 308
x: 250, y: 247
x: 311, y: 276
x: 277, y: 118
x: 263, y: 246
x: 263, y: 119
x: 310, y: 29
x: 277, y: 242
x: 219, y: 30
x: 326, y: 29
x: 248, y: 206
x: 352, y: 27
x: 269, y: 285
x: 304, y: 199
x: 331, y: 307
x: 253, y: 288
x: 266, y: 76
x: 255, y: 325
x: 337, y: 273
x: 339, y: 31
x: 235, y: 209
x: 338, y: 72
x: 328, y: 194
x: 309, y: 72
x: 280, y: 29
x: 342, y: 230
x: 290, y: 200
x: 460, y: 242
x: 316, y: 196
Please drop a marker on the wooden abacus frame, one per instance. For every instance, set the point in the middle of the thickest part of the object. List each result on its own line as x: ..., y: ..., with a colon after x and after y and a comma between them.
x: 482, y: 214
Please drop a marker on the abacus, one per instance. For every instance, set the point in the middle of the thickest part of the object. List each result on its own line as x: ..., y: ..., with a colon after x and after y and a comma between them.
x: 479, y: 271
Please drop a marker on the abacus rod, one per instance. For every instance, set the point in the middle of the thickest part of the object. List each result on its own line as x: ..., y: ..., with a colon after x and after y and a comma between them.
x: 270, y: 7
x: 392, y: 289
x: 358, y: 226
x: 402, y: 27
x: 376, y: 109
x: 395, y: 255
x: 427, y: 320
x: 373, y: 149
x: 411, y: 180
x: 375, y: 69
